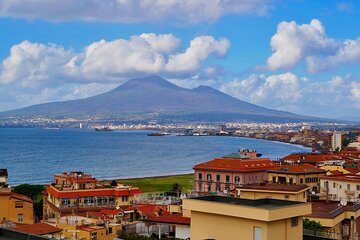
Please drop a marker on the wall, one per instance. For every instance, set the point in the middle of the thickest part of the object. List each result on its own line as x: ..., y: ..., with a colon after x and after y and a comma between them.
x: 248, y: 194
x: 10, y: 212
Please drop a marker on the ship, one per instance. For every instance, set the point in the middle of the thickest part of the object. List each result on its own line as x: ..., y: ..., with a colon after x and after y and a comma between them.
x: 158, y: 134
x: 103, y: 129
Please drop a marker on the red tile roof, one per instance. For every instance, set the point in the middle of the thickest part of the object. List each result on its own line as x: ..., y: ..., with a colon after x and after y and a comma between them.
x: 237, y: 165
x: 298, y: 169
x: 17, y: 196
x: 344, y: 177
x: 116, y: 192
x: 170, y: 219
x: 149, y: 210
x: 311, y: 157
x: 38, y: 229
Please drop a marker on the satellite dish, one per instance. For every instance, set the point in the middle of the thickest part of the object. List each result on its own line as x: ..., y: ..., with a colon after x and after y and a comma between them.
x: 182, y: 196
x: 343, y: 202
x: 117, y: 207
x: 313, y: 192
x: 62, y: 236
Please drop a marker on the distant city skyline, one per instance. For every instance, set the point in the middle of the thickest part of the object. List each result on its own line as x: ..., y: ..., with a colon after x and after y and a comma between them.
x: 300, y: 56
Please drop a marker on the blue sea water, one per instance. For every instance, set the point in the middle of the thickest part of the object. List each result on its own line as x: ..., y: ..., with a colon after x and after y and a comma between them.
x: 35, y: 155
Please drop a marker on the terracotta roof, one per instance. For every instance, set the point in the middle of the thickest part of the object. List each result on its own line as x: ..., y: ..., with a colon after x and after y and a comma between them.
x: 170, y: 219
x: 237, y: 165
x: 149, y: 210
x: 275, y: 187
x: 344, y: 177
x: 322, y: 209
x: 336, y: 172
x: 311, y: 157
x: 116, y: 192
x: 38, y: 229
x: 16, y: 196
x: 297, y: 169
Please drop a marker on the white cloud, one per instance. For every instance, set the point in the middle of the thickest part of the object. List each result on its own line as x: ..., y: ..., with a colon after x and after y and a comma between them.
x: 36, y: 72
x: 293, y: 42
x: 130, y: 11
x: 338, y: 96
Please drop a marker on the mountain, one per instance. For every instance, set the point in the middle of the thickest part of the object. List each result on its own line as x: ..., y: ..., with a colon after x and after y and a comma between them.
x: 155, y: 98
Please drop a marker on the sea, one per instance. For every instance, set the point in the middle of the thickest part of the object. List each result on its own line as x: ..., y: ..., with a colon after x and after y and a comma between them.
x: 34, y: 155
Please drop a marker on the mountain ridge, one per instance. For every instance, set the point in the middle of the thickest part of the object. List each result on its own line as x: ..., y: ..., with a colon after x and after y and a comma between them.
x: 156, y: 96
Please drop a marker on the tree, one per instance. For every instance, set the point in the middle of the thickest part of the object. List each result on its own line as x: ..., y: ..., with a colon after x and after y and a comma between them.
x: 113, y: 183
x: 176, y: 189
x: 32, y: 191
x: 311, y: 225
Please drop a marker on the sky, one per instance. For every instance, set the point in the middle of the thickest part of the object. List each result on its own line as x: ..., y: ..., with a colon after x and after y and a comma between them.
x: 301, y: 56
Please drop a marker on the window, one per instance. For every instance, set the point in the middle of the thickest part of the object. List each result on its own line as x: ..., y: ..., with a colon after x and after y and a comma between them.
x: 326, y: 184
x: 286, y: 196
x: 348, y: 187
x: 358, y: 187
x: 94, y: 236
x: 301, y: 180
x: 291, y: 181
x: 294, y: 221
x: 20, y: 217
x: 249, y: 179
x: 19, y: 204
x: 110, y: 230
x: 65, y: 201
x: 256, y: 178
x: 274, y: 179
x: 208, y: 177
x: 200, y: 176
x: 257, y: 233
x: 218, y: 177
x: 237, y: 180
x: 227, y: 178
x: 334, y: 185
x: 124, y: 198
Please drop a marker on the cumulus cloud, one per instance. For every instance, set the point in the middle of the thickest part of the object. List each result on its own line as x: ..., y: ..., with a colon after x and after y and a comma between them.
x: 35, y: 63
x: 50, y: 72
x: 130, y: 11
x: 293, y: 42
x: 299, y: 94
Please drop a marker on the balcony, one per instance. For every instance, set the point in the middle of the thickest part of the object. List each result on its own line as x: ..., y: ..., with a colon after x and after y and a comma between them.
x: 349, y: 192
x: 86, y: 205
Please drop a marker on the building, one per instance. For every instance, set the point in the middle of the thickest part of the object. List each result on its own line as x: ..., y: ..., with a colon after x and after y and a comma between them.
x: 15, y: 207
x: 354, y: 134
x: 177, y: 225
x: 40, y: 229
x: 79, y: 227
x: 341, y: 187
x: 338, y: 220
x: 336, y: 141
x: 223, y: 218
x: 223, y: 174
x: 273, y: 191
x: 3, y: 177
x: 10, y: 234
x: 80, y: 192
x: 297, y: 174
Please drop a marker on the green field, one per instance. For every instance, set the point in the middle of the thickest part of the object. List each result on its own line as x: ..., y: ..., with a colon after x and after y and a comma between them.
x: 161, y: 184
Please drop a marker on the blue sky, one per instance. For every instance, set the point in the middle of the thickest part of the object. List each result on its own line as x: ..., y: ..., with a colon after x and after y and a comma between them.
x: 297, y: 55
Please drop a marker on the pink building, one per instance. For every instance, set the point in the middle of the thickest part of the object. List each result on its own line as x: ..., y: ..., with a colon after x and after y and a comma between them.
x: 227, y: 172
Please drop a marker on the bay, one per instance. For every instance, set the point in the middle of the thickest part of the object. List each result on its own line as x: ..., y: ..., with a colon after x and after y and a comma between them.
x: 35, y: 155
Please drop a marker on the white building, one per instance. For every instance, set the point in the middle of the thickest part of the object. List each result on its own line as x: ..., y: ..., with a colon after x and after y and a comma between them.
x: 336, y: 142
x: 341, y: 187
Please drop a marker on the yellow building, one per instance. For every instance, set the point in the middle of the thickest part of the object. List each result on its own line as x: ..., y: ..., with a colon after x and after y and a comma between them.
x: 15, y: 207
x: 224, y: 218
x: 338, y: 221
x: 84, y: 228
x: 80, y: 192
x: 297, y: 174
x: 332, y: 168
x: 274, y: 191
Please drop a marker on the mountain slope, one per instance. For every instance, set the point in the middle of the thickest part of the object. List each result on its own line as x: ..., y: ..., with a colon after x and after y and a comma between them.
x: 155, y: 96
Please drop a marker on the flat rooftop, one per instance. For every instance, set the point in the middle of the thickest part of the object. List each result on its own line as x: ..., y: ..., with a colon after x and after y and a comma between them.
x: 274, y: 187
x: 265, y: 203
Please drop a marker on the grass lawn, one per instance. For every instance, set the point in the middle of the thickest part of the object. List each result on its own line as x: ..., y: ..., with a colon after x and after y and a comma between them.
x: 161, y: 184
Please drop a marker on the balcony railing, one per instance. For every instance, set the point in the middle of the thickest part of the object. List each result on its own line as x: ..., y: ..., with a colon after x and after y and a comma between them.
x: 85, y: 205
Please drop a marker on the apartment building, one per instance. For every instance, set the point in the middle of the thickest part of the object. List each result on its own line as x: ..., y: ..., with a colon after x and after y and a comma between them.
x: 297, y: 174
x: 341, y: 187
x: 80, y: 192
x: 223, y: 218
x: 15, y: 207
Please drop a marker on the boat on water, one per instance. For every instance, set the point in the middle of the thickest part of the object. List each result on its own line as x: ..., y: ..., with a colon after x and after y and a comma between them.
x: 103, y: 129
x: 158, y: 134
